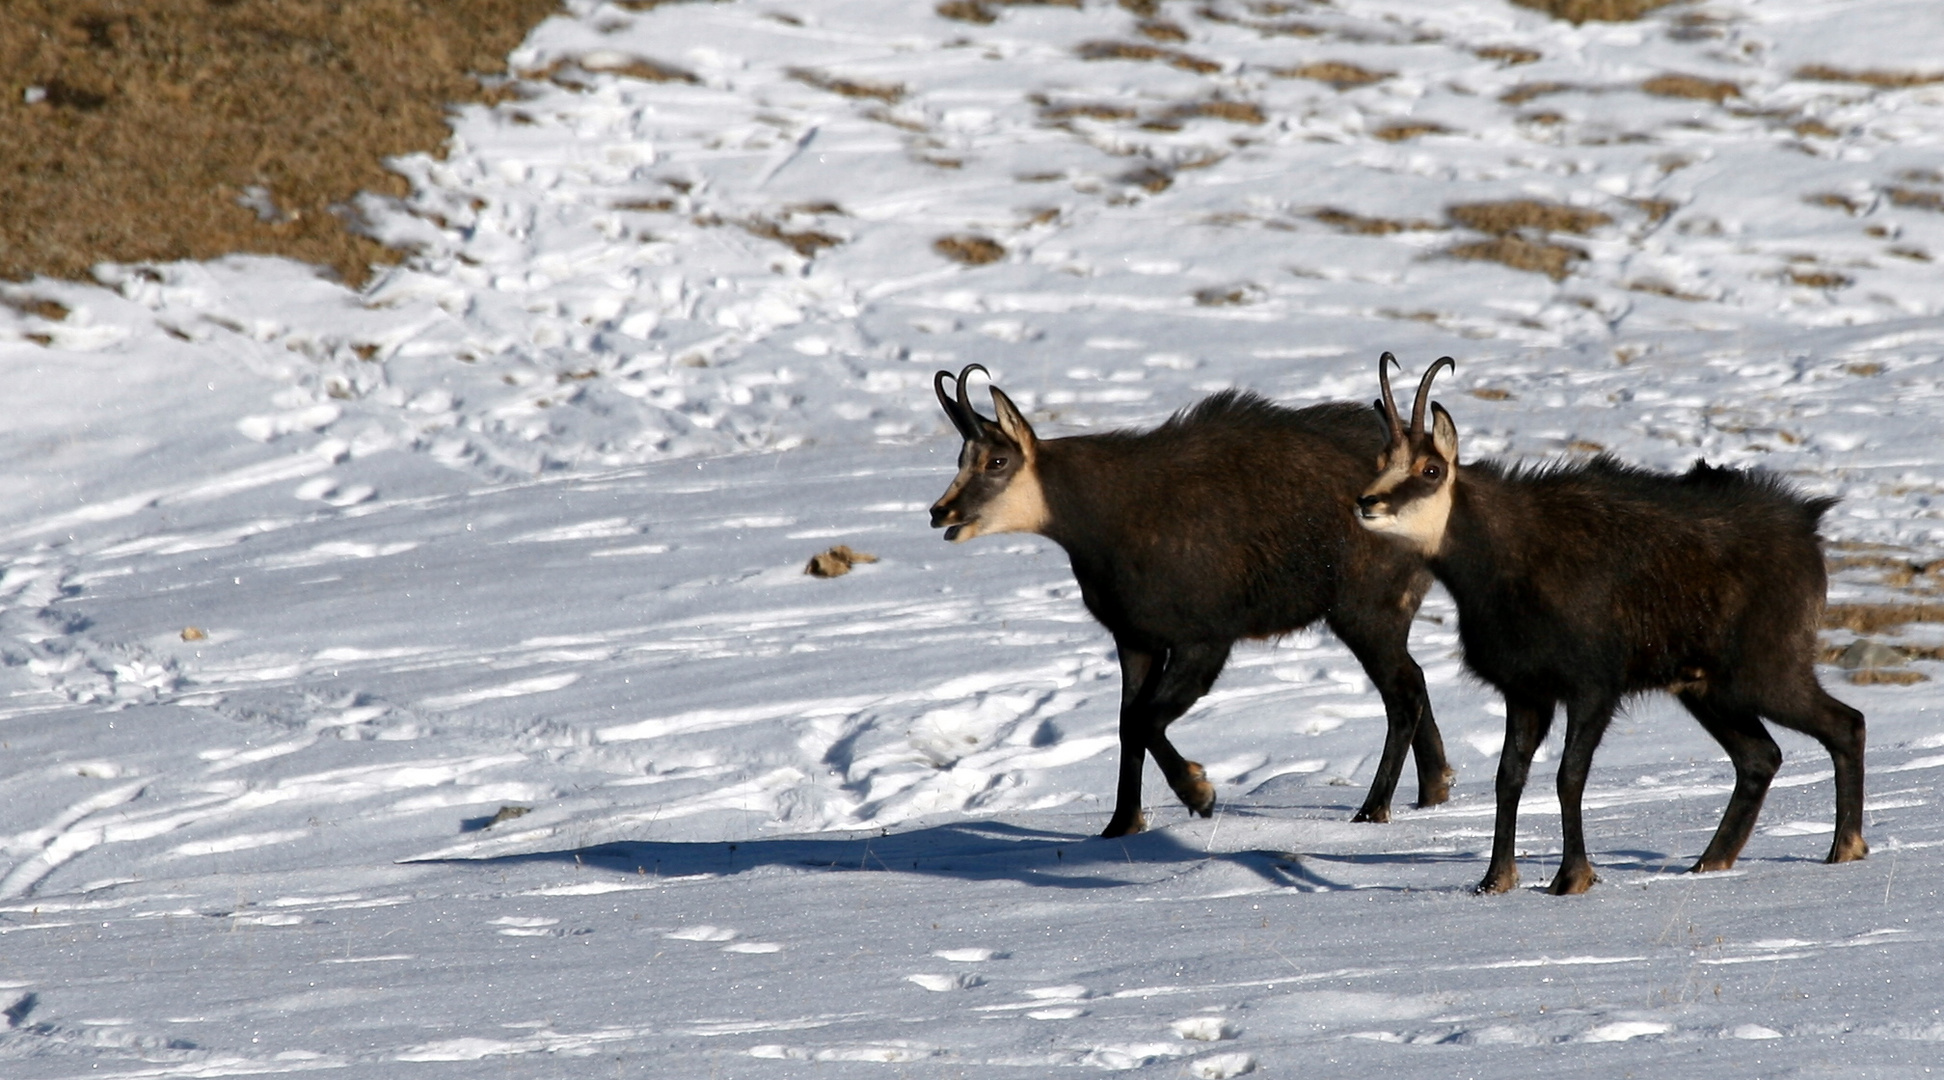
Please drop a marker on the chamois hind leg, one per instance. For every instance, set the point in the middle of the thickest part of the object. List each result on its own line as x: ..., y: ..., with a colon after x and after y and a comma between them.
x: 1186, y: 674
x: 1140, y: 671
x: 1740, y: 732
x: 1839, y: 728
x: 1380, y: 644
x: 1586, y: 724
x: 1525, y: 728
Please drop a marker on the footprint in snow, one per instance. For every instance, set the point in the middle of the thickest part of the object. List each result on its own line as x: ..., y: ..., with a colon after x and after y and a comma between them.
x: 941, y: 983
x: 701, y: 932
x: 1203, y: 1028
x: 1221, y: 1066
x: 524, y: 926
x: 969, y: 956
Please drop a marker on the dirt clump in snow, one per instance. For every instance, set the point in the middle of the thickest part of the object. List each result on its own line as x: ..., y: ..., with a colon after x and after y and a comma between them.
x: 185, y: 129
x: 1579, y: 11
x: 837, y: 561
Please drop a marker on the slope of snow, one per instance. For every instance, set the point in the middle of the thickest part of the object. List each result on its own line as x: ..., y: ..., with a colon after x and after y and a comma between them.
x: 523, y: 525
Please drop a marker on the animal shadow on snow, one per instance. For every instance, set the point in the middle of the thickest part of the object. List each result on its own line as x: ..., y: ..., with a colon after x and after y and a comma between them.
x: 975, y: 851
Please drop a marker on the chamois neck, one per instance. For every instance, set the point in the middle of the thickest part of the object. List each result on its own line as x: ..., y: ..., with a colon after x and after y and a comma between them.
x: 1476, y: 536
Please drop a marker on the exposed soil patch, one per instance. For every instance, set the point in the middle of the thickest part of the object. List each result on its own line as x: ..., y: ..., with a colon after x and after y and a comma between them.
x: 970, y: 250
x: 1134, y: 50
x: 1539, y: 256
x: 1371, y: 226
x: 889, y: 93
x: 1691, y: 86
x: 1878, y: 77
x: 1340, y: 75
x: 1514, y: 215
x: 1408, y: 129
x: 155, y: 130
x: 1579, y: 11
x: 1876, y: 618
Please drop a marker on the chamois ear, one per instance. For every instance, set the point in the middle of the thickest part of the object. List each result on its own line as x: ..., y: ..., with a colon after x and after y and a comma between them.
x: 1444, y: 433
x: 1013, y: 425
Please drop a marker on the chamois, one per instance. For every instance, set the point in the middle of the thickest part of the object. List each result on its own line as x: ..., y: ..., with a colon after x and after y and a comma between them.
x: 1233, y: 519
x: 1586, y: 583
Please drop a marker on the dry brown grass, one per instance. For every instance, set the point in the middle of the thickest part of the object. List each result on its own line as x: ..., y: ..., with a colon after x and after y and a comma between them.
x: 1877, y: 77
x: 1509, y: 55
x: 1235, y: 112
x: 1915, y: 199
x: 1876, y: 618
x: 983, y: 11
x: 1819, y: 279
x: 1691, y: 86
x: 1515, y: 215
x: 1491, y: 393
x: 1886, y: 677
x: 1339, y: 74
x: 967, y: 11
x: 1150, y: 177
x: 889, y: 93
x: 1657, y: 287
x: 969, y: 249
x: 1849, y: 204
x: 1408, y: 129
x: 1371, y: 226
x: 1088, y: 111
x: 1543, y: 257
x: 1162, y: 30
x: 1230, y: 295
x: 1525, y: 92
x: 154, y: 116
x: 1134, y: 50
x: 805, y: 242
x: 1579, y: 11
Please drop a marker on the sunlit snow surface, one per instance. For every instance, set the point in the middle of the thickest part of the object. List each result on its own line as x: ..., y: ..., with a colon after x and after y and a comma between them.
x: 524, y: 522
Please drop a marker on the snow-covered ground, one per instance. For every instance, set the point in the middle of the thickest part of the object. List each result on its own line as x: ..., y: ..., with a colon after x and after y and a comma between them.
x: 303, y: 585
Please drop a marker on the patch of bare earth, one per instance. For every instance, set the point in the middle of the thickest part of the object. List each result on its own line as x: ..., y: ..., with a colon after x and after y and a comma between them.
x: 1134, y: 50
x: 1359, y: 225
x: 969, y: 249
x: 1339, y: 74
x: 1877, y: 77
x: 1691, y: 86
x: 156, y: 130
x: 1520, y: 231
x: 1579, y: 11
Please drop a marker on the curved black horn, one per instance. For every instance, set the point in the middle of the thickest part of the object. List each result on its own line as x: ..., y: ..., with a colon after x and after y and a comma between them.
x: 952, y: 408
x: 964, y: 375
x: 1424, y: 393
x: 1384, y: 364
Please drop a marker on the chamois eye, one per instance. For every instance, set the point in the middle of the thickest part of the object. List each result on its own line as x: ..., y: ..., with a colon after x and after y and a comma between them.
x: 1432, y: 470
x: 995, y: 464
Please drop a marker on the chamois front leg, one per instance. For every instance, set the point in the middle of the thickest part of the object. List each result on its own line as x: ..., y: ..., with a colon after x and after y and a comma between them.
x: 1525, y: 729
x: 1175, y: 682
x: 1139, y: 672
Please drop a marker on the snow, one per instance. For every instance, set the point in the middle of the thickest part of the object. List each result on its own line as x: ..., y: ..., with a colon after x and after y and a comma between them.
x: 523, y: 524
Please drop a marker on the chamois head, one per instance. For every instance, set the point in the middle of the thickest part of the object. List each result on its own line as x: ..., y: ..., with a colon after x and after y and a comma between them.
x: 997, y: 489
x: 1411, y: 497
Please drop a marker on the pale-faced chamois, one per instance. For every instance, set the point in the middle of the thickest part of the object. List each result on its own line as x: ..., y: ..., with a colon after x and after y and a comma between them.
x: 1234, y: 519
x: 1586, y: 583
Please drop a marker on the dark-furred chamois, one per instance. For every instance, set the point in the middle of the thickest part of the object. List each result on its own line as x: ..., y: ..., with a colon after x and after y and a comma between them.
x: 1585, y: 583
x: 1234, y: 519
